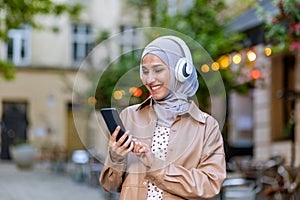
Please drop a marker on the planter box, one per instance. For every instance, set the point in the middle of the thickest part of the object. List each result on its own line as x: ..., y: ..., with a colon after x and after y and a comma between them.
x: 23, y: 155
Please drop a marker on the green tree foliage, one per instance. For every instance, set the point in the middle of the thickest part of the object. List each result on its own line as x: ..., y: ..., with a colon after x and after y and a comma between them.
x: 7, y: 70
x: 205, y: 23
x: 16, y: 13
x: 283, y: 31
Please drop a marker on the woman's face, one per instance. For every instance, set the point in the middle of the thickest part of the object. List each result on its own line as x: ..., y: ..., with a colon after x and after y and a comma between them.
x: 155, y: 76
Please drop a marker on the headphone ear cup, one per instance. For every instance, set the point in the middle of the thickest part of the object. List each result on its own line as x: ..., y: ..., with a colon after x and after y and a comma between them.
x: 183, y: 70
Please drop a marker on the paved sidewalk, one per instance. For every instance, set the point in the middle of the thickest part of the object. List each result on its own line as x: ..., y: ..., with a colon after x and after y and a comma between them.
x: 42, y: 184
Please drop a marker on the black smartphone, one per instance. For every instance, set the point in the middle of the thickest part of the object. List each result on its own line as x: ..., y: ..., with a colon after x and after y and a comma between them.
x: 112, y: 120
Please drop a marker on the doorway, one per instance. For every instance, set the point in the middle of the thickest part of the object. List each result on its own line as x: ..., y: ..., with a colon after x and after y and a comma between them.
x: 73, y: 140
x: 14, y: 126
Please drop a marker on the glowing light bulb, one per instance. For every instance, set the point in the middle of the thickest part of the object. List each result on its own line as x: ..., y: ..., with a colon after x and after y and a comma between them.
x: 118, y: 94
x: 215, y: 66
x: 251, y: 55
x: 92, y: 100
x: 268, y: 51
x: 224, y: 61
x: 255, y: 74
x: 205, y: 68
x: 237, y: 58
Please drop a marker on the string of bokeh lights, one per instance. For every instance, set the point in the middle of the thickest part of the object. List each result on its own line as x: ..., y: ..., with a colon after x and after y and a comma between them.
x: 224, y: 62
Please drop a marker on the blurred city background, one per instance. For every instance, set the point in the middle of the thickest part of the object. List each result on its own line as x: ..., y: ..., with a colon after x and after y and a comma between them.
x: 63, y: 60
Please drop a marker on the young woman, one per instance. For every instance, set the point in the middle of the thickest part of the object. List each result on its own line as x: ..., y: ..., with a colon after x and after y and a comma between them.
x: 174, y: 150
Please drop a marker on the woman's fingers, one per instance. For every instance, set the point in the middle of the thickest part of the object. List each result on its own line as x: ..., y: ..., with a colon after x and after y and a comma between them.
x: 124, y: 139
x: 119, y: 149
x: 113, y: 137
x: 142, y: 150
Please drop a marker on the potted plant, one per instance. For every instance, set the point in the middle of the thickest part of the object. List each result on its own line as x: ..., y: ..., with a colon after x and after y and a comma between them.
x: 23, y: 154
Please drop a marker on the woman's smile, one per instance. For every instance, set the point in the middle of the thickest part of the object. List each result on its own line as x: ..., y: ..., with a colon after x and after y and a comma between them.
x: 155, y: 88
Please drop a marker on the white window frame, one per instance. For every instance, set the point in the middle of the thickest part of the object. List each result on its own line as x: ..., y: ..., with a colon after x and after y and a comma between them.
x: 129, y: 39
x: 83, y: 40
x: 21, y: 41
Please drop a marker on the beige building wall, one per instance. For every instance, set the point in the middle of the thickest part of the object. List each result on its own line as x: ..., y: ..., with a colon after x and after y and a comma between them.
x: 47, y: 96
x: 53, y: 49
x: 47, y: 84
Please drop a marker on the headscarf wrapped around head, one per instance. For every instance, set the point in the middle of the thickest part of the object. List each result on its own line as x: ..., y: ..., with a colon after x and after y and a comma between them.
x: 170, y: 49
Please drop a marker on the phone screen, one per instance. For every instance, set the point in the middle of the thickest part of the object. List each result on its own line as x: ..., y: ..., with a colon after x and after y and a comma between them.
x: 112, y: 120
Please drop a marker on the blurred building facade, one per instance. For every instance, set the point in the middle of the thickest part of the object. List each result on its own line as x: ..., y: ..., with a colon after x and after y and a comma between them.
x: 47, y: 64
x: 274, y: 101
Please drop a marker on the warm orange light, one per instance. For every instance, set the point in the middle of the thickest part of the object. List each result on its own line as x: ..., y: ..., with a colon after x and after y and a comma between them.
x: 205, y: 68
x: 215, y: 66
x: 255, y: 74
x: 92, y: 100
x: 237, y: 58
x: 224, y: 61
x: 251, y: 55
x: 118, y: 94
x: 138, y: 92
x: 268, y: 51
x: 132, y: 89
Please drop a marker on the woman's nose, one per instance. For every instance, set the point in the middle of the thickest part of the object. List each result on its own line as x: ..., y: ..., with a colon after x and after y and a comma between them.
x: 150, y: 78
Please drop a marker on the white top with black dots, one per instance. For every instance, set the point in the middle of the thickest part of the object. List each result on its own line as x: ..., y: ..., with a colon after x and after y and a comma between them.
x: 159, y: 148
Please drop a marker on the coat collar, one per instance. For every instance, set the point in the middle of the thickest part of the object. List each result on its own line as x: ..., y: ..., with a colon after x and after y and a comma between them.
x: 193, y: 111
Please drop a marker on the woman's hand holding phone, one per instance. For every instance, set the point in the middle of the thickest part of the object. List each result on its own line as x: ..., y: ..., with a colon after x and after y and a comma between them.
x: 119, y: 149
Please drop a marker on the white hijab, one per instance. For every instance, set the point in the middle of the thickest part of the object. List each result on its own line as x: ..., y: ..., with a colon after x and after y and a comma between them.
x: 170, y: 49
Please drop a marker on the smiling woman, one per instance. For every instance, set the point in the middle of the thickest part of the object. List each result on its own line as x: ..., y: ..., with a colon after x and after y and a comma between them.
x: 172, y: 143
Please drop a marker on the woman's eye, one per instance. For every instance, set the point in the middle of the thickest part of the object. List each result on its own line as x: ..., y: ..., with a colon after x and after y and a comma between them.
x: 158, y: 70
x: 145, y: 72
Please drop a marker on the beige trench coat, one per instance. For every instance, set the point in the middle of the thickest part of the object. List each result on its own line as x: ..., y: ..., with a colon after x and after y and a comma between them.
x: 195, y: 164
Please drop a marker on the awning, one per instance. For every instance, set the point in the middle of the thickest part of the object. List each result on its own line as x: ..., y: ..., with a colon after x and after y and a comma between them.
x: 249, y: 19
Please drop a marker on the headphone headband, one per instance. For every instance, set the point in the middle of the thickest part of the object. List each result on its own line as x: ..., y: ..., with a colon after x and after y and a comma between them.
x: 182, y: 45
x: 184, y: 66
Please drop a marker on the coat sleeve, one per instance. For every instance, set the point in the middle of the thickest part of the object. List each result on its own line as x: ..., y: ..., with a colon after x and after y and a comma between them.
x: 111, y: 177
x: 112, y: 174
x: 202, y: 181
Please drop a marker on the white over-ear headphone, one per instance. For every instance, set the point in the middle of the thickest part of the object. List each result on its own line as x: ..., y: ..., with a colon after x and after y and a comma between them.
x: 183, y: 70
x: 184, y: 67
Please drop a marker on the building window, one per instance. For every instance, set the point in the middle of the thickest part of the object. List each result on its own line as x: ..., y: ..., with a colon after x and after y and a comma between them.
x: 241, y: 119
x: 129, y: 39
x: 19, y: 46
x: 82, y: 41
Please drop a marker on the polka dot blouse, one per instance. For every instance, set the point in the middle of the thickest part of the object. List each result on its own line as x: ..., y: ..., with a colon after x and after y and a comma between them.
x: 159, y: 148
